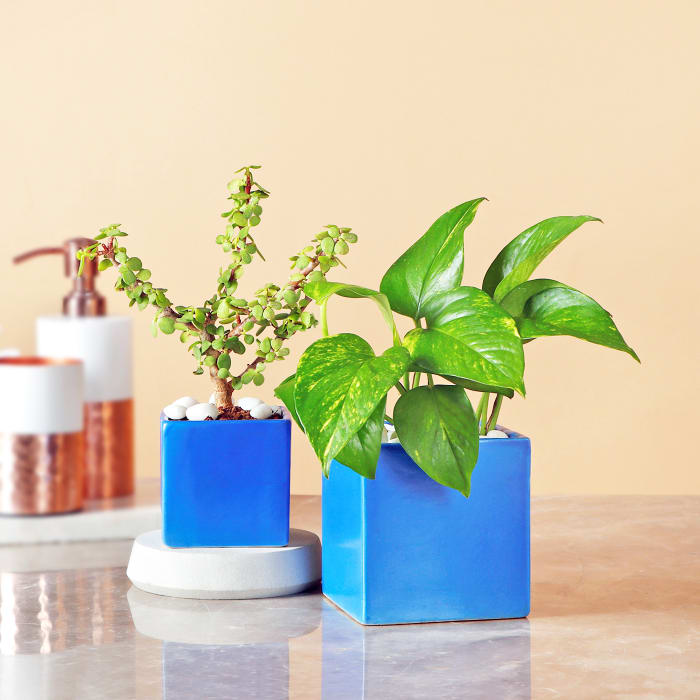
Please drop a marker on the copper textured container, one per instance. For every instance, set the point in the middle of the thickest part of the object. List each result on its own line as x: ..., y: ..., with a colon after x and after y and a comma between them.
x: 41, y: 474
x: 42, y: 445
x: 109, y: 449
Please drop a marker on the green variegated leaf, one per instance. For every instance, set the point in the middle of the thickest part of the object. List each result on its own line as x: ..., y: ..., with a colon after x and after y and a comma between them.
x: 361, y: 453
x: 566, y: 311
x: 285, y: 393
x: 437, y: 428
x: 518, y: 260
x: 514, y: 302
x: 434, y: 263
x: 339, y: 384
x: 471, y: 337
x: 322, y: 290
x: 478, y: 386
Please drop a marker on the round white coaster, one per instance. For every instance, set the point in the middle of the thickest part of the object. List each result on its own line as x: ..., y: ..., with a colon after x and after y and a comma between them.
x: 225, y: 572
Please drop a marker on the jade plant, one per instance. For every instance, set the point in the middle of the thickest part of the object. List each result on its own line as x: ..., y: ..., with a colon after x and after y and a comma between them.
x: 464, y: 338
x: 227, y: 323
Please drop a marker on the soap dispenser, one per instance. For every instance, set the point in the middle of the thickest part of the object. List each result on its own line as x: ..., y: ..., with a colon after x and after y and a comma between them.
x: 104, y: 344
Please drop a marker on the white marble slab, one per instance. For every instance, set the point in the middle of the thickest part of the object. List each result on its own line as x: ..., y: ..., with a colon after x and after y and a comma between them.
x: 115, y: 519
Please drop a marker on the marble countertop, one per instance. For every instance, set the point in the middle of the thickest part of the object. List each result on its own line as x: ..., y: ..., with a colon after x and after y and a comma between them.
x: 615, y: 614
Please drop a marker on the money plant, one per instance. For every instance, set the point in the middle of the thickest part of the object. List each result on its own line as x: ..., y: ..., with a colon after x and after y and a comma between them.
x: 228, y: 324
x: 464, y: 338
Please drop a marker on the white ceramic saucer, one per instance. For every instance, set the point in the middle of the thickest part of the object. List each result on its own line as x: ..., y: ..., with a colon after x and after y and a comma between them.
x: 225, y: 572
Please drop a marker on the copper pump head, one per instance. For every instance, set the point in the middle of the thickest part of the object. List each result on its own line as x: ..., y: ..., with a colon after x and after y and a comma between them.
x: 83, y: 299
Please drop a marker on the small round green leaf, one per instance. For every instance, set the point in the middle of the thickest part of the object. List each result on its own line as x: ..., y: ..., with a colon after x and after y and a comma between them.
x: 223, y: 361
x: 166, y: 324
x: 127, y: 275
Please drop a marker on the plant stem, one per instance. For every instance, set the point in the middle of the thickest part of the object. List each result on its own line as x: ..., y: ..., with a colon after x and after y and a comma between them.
x: 324, y: 319
x: 482, y: 412
x: 400, y: 387
x: 416, y: 380
x: 222, y: 392
x: 494, y: 413
x: 484, y: 418
x: 430, y: 380
x: 388, y: 418
x: 417, y: 324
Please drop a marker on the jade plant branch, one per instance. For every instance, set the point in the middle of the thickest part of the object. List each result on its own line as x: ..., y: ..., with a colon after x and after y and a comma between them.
x: 225, y: 324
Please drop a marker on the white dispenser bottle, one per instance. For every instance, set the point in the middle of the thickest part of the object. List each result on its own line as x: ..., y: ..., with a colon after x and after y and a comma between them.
x: 104, y: 344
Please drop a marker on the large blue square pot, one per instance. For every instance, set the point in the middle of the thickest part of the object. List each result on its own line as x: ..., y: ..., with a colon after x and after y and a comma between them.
x: 402, y: 548
x: 225, y: 483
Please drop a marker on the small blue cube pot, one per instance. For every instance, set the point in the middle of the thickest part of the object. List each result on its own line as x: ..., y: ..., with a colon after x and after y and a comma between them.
x: 225, y: 483
x: 402, y: 548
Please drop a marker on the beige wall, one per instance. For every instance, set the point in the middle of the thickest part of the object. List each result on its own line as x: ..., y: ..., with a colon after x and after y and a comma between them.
x: 380, y: 116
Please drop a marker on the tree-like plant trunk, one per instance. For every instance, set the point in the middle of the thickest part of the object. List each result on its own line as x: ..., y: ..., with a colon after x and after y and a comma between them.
x: 222, y: 392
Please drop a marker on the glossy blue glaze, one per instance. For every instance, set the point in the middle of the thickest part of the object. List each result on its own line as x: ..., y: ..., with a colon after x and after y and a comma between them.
x: 402, y: 548
x: 225, y: 483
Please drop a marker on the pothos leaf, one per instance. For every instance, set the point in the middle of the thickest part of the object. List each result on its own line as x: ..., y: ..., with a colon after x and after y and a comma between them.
x: 434, y: 263
x: 566, y: 311
x: 361, y: 453
x: 471, y: 337
x: 285, y: 393
x: 437, y: 427
x: 519, y: 259
x: 321, y: 290
x: 339, y: 383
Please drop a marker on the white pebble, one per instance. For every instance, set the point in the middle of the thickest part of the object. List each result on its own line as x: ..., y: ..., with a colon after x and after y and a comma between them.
x: 388, y: 432
x: 185, y: 401
x: 212, y: 399
x: 248, y: 402
x: 496, y: 434
x: 202, y: 411
x: 261, y: 411
x: 175, y: 411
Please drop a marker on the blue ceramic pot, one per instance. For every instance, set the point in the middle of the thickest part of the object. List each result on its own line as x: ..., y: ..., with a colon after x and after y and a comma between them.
x: 225, y: 483
x: 402, y: 548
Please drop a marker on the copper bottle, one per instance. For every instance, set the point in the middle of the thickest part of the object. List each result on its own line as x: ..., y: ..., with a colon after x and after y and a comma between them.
x: 104, y: 344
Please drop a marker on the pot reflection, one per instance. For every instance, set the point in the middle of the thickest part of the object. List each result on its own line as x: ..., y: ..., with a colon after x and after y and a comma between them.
x: 448, y: 659
x: 222, y: 672
x: 225, y: 648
